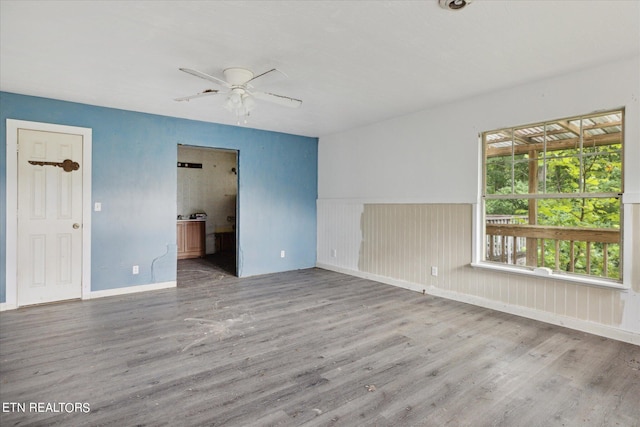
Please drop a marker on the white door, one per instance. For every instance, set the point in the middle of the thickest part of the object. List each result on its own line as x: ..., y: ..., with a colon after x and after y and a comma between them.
x: 49, y: 238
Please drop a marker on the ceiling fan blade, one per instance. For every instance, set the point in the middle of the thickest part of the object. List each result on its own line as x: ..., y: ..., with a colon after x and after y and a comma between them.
x: 285, y: 101
x: 205, y: 76
x: 198, y: 95
x: 271, y: 73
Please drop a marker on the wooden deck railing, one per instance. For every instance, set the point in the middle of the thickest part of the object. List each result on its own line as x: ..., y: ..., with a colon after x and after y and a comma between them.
x: 507, y: 243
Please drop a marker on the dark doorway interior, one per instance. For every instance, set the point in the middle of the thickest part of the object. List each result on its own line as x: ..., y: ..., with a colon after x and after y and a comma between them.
x: 225, y: 261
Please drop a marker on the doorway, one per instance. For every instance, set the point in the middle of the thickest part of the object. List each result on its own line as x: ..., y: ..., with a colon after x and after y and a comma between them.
x: 207, y: 207
x: 48, y: 225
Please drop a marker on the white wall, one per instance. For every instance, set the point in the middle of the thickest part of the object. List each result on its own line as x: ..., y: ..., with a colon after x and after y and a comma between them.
x: 431, y: 158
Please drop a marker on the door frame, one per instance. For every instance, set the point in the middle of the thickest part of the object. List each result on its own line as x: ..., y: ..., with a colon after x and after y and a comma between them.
x: 13, y: 126
x: 238, y: 265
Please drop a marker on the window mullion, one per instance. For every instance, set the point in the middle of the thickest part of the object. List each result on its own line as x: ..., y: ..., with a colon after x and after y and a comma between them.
x: 539, y: 196
x: 544, y: 160
x: 513, y: 162
x: 582, y: 182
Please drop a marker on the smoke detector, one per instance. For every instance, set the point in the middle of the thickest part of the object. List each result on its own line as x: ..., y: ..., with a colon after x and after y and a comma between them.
x: 454, y: 4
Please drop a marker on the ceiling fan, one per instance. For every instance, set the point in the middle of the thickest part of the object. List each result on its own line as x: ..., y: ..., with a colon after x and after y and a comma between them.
x: 238, y: 87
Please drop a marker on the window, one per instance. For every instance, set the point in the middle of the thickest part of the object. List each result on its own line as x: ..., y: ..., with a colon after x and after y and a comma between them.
x: 552, y: 195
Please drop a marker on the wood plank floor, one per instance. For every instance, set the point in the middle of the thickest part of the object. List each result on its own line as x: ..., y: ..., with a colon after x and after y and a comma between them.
x: 308, y: 347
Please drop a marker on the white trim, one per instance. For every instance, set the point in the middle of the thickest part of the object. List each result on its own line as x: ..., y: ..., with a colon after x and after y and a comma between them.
x: 627, y: 243
x: 111, y: 292
x: 548, y: 274
x: 477, y: 230
x: 542, y: 316
x: 631, y: 198
x: 11, y: 203
x: 5, y: 306
x: 11, y: 290
x: 130, y: 290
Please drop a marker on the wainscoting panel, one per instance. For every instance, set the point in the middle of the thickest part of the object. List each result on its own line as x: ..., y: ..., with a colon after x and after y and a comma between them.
x: 339, y: 233
x: 401, y: 243
x: 405, y: 241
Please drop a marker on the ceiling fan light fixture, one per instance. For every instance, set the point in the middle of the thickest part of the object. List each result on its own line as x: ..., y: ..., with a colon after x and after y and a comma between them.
x: 234, y: 101
x: 240, y: 103
x: 248, y: 102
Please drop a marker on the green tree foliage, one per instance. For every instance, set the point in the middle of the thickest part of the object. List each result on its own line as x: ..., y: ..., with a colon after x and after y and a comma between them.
x: 599, y: 172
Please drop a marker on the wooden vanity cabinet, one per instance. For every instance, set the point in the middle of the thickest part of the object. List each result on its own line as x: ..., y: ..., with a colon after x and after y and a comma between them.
x: 191, y: 239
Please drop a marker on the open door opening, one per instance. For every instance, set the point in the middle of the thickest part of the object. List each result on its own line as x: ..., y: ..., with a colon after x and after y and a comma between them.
x: 207, y: 208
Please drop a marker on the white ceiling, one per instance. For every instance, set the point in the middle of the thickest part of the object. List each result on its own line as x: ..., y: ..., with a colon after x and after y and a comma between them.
x: 351, y: 62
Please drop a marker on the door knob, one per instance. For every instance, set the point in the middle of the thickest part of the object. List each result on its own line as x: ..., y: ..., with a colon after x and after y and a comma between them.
x: 76, y: 225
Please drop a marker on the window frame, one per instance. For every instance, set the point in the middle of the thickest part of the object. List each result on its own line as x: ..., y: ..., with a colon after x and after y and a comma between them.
x: 479, y: 225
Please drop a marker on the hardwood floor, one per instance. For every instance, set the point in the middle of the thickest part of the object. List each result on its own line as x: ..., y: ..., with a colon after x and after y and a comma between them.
x: 308, y: 347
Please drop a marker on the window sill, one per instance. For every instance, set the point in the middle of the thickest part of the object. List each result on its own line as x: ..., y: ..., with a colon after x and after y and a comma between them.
x: 547, y: 274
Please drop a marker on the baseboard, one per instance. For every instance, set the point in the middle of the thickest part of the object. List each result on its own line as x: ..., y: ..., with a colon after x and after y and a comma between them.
x: 129, y: 290
x: 110, y: 292
x: 6, y: 306
x: 567, y: 322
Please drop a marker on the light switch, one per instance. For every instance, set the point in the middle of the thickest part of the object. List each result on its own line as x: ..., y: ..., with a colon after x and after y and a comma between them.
x: 97, y: 207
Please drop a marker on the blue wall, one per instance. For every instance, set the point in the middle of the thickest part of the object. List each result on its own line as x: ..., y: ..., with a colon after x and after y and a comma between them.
x: 135, y: 179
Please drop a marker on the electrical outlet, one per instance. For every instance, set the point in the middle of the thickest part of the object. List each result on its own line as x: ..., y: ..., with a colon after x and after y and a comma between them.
x: 136, y: 269
x: 434, y: 271
x: 281, y: 254
x: 334, y: 253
